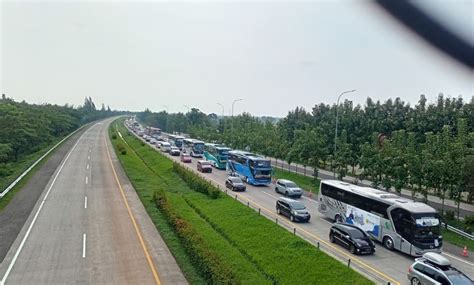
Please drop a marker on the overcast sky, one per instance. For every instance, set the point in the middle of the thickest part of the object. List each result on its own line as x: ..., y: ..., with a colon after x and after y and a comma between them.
x: 274, y: 55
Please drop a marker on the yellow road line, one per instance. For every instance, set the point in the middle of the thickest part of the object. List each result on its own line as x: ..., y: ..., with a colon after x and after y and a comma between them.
x: 142, y: 242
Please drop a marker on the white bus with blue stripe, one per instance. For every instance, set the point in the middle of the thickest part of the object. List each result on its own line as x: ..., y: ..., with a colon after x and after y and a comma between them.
x: 398, y: 223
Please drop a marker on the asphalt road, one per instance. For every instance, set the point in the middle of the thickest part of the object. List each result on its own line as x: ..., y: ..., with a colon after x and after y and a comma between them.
x: 89, y: 227
x: 15, y: 214
x: 383, y: 266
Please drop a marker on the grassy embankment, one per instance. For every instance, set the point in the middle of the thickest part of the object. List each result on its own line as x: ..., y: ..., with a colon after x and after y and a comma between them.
x: 216, y: 239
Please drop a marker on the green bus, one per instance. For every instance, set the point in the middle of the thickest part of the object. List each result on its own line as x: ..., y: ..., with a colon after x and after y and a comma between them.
x: 217, y: 154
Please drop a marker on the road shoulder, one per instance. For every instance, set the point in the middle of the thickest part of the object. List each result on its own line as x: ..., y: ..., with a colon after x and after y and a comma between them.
x: 168, y: 270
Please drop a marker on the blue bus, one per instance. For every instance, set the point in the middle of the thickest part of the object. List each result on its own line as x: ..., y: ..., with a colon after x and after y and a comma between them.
x: 252, y: 168
x: 197, y: 148
x: 217, y: 154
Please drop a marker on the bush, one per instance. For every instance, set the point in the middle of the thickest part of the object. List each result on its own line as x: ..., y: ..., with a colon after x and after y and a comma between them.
x: 469, y: 223
x: 195, y: 182
x: 123, y: 152
x: 114, y: 136
x: 214, y: 269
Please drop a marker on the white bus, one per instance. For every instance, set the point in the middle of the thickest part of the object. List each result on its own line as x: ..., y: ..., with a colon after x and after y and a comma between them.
x: 398, y: 223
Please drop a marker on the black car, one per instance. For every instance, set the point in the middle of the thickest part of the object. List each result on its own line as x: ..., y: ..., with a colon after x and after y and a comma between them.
x: 293, y: 209
x: 353, y: 238
x: 235, y: 184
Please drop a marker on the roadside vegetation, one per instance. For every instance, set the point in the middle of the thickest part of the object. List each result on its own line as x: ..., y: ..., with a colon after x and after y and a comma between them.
x: 27, y: 131
x: 307, y: 183
x: 428, y: 147
x: 214, y: 238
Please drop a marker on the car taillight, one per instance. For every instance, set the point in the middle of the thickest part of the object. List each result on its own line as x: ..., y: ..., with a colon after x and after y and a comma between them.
x: 410, y: 269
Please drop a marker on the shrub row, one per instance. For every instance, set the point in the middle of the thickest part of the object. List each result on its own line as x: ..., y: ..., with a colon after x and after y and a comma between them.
x: 208, y: 262
x: 195, y: 182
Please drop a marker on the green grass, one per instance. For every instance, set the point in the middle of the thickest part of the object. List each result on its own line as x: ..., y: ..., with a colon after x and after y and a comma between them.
x: 259, y: 251
x: 305, y: 182
x: 454, y: 238
x: 17, y: 168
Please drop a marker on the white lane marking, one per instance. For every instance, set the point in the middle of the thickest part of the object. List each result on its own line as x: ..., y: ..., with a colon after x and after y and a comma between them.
x: 17, y: 253
x: 324, y: 220
x: 459, y: 259
x: 88, y: 157
x: 314, y: 201
x: 85, y: 202
x: 88, y: 166
x: 84, y: 246
x: 270, y: 195
x: 87, y: 179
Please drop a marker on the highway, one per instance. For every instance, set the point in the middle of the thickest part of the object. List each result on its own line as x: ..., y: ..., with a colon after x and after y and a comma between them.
x: 89, y: 227
x: 384, y: 266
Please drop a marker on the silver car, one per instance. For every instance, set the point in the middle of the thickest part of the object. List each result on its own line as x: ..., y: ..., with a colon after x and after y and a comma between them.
x: 435, y: 269
x: 288, y: 188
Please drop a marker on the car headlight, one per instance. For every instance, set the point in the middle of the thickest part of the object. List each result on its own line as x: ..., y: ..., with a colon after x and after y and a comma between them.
x: 294, y: 212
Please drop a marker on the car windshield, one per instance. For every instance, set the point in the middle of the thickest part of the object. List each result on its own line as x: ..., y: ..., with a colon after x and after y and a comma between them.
x: 356, y: 234
x: 297, y: 206
x: 236, y: 179
x: 291, y: 185
x: 457, y: 278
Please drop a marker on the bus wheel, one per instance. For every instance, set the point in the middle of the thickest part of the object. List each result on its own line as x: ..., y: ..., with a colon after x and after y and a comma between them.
x: 338, y: 219
x: 388, y: 243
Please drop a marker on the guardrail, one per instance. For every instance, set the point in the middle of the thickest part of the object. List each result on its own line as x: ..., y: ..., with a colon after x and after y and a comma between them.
x: 18, y: 179
x: 458, y: 231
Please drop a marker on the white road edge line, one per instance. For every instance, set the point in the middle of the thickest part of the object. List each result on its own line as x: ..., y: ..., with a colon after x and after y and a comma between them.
x: 85, y: 202
x: 87, y: 179
x: 84, y: 246
x: 311, y: 200
x: 457, y: 258
x: 17, y: 253
x: 88, y: 166
x: 270, y: 195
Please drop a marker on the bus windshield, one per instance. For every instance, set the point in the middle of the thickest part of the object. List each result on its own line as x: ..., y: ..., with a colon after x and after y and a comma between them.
x: 198, y: 146
x: 223, y: 152
x: 426, y: 226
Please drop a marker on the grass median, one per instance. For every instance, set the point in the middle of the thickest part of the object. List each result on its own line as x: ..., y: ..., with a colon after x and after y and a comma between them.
x: 250, y: 247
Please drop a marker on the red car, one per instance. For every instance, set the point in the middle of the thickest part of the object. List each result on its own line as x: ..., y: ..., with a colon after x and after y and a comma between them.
x: 186, y: 158
x: 204, y: 166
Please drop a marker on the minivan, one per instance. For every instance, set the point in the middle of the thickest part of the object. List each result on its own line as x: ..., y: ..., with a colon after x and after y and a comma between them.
x: 293, y: 209
x: 288, y: 188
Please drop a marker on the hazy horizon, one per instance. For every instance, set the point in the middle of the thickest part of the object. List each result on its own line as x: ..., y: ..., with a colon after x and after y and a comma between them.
x: 274, y: 55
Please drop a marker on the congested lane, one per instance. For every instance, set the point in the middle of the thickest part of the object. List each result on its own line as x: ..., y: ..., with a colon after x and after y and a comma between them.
x: 384, y: 266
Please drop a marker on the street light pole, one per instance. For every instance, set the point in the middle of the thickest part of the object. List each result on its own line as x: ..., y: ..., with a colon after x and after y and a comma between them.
x: 222, y: 106
x: 189, y: 109
x: 167, y: 109
x: 233, y: 102
x: 337, y: 115
x: 232, y: 115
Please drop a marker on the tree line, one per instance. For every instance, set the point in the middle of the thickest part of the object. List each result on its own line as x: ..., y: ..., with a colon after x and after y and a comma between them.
x: 27, y: 128
x: 427, y: 147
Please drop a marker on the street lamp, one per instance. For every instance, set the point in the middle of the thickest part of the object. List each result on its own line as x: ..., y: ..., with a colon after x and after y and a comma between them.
x: 337, y: 115
x: 236, y: 100
x: 189, y: 109
x: 222, y: 106
x: 167, y: 109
